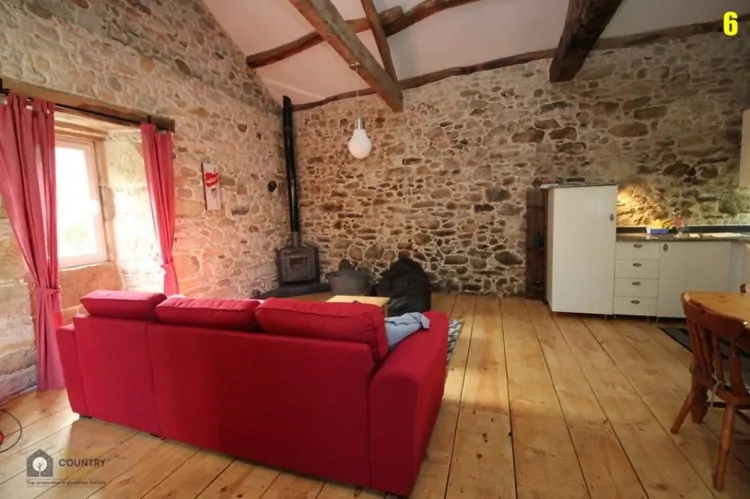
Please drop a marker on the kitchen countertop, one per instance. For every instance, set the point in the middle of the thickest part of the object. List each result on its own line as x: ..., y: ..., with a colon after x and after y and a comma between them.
x: 688, y: 237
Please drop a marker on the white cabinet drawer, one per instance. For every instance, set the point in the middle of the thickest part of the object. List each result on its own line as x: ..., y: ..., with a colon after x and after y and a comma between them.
x: 637, y: 251
x: 645, y: 288
x: 635, y: 306
x: 634, y: 269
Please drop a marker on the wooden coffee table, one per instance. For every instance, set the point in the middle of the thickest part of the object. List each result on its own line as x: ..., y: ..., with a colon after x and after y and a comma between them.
x: 378, y: 301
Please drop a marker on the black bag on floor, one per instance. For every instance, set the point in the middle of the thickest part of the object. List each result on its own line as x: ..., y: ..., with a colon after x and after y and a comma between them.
x: 407, y: 286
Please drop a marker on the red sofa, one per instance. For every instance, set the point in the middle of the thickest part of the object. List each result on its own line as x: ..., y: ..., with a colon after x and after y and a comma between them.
x: 305, y: 386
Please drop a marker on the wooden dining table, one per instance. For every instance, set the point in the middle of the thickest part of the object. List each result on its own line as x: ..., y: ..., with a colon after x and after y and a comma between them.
x: 735, y: 305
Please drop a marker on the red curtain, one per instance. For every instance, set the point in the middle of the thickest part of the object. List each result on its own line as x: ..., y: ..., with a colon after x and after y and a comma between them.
x: 157, y: 154
x: 27, y: 184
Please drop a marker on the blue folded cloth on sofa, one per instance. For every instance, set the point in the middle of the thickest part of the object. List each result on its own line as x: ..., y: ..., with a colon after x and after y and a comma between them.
x: 398, y: 328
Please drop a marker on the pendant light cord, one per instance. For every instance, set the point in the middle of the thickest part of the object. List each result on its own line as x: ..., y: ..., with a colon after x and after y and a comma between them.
x: 354, y: 67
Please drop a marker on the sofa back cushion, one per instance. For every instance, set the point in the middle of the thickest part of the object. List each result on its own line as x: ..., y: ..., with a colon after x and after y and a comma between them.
x: 351, y: 322
x: 209, y: 313
x: 132, y: 305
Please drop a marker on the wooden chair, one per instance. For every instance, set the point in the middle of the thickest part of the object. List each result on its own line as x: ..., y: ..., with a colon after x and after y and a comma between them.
x: 710, y: 370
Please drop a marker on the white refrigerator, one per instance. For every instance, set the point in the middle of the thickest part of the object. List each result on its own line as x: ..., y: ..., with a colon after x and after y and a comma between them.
x: 581, y: 235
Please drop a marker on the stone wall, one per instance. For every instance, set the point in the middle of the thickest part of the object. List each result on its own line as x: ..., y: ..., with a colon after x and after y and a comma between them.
x: 446, y: 179
x: 17, y: 353
x: 168, y: 58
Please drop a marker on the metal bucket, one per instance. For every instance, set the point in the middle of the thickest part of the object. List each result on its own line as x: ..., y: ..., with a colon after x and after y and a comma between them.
x: 349, y: 282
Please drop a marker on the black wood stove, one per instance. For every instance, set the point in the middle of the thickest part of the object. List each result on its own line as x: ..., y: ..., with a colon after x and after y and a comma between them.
x: 295, y: 263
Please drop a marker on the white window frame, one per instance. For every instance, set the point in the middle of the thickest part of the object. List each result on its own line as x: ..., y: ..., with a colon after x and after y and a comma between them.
x: 93, y: 175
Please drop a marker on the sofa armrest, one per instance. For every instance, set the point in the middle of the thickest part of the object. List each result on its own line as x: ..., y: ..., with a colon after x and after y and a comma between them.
x: 68, y: 350
x: 405, y: 396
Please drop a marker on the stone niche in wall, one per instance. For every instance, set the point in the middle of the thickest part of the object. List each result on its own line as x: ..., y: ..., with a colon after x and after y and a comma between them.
x: 137, y: 250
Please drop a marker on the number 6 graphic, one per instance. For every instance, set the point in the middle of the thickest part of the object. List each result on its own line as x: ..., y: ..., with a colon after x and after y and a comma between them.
x: 731, y: 24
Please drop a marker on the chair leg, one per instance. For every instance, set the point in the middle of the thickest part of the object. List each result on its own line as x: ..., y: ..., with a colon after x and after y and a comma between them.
x: 684, y: 411
x: 725, y: 443
x: 699, y: 403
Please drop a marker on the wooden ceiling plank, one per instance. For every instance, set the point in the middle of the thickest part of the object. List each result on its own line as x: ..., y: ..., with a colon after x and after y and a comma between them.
x: 376, y: 25
x: 312, y: 39
x: 327, y: 21
x: 394, y: 20
x: 422, y: 11
x: 585, y: 22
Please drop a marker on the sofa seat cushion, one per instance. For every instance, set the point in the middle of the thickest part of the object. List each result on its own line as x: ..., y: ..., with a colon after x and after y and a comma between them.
x: 209, y: 313
x: 353, y: 322
x: 132, y: 305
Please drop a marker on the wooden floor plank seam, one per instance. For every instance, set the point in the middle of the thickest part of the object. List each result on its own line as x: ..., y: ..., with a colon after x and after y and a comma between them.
x: 463, y: 382
x: 599, y: 404
x: 118, y: 475
x: 181, y: 465
x: 214, y: 479
x: 507, y: 376
x: 649, y: 408
x: 597, y: 396
x: 35, y: 421
x: 559, y: 404
x: 10, y: 477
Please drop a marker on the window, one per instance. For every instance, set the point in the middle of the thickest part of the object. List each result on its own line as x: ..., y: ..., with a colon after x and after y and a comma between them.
x: 80, y: 228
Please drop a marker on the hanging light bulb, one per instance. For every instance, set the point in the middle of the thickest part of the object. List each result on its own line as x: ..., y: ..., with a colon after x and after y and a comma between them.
x: 359, y: 145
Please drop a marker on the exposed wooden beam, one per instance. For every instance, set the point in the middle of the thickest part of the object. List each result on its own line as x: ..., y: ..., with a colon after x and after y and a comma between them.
x: 312, y: 39
x: 394, y: 20
x: 660, y: 35
x: 606, y: 44
x: 83, y: 106
x: 585, y: 22
x: 333, y: 28
x: 422, y: 11
x: 376, y: 25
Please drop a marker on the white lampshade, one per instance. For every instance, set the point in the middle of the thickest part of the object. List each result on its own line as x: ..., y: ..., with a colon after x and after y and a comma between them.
x: 745, y: 153
x: 360, y: 145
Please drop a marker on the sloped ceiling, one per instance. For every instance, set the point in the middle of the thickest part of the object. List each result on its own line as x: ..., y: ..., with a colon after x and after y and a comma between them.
x: 473, y: 33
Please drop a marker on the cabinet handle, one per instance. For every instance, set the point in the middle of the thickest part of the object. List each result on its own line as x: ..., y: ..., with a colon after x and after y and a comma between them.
x: 636, y: 264
x: 636, y: 283
x: 611, y: 217
x: 635, y: 302
x: 666, y: 246
x: 638, y: 245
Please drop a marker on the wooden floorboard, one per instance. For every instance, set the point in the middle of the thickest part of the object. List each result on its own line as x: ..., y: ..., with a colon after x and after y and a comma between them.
x: 605, y: 465
x: 433, y: 475
x: 661, y: 466
x: 536, y: 405
x: 545, y: 459
x: 482, y: 461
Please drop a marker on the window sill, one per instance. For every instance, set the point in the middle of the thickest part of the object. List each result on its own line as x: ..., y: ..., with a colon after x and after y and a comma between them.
x: 85, y: 265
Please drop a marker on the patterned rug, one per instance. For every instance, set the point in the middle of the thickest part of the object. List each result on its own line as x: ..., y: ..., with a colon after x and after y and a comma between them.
x: 454, y: 330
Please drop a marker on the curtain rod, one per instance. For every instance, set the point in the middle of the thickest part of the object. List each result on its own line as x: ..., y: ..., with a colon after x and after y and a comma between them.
x: 96, y: 114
